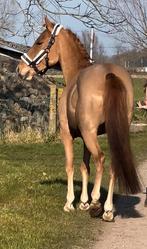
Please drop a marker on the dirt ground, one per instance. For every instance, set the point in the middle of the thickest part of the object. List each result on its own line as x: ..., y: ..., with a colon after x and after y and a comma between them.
x: 129, y: 231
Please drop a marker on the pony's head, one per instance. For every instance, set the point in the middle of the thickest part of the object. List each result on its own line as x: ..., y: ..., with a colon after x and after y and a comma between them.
x: 43, y: 54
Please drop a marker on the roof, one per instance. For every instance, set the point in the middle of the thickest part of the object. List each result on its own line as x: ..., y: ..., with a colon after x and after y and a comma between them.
x: 11, y: 49
x: 13, y: 46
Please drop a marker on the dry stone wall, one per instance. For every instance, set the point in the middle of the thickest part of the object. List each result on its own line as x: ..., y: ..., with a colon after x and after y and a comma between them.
x: 23, y: 103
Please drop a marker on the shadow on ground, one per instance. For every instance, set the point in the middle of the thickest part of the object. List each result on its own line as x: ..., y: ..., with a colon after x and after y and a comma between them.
x: 124, y: 204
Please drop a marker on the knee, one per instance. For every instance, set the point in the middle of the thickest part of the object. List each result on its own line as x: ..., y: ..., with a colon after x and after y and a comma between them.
x: 84, y: 168
x: 69, y: 169
x: 112, y: 175
x: 99, y: 158
x: 102, y: 157
x: 100, y: 169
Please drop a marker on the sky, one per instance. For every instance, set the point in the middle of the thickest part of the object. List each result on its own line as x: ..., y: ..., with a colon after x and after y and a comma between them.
x: 76, y: 26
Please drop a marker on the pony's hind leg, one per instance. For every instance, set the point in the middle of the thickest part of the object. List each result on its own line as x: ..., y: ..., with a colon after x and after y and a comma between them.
x: 85, y: 171
x: 90, y: 139
x: 108, y: 206
x: 68, y: 147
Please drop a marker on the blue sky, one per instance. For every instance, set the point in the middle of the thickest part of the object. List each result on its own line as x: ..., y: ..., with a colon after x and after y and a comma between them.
x: 77, y: 27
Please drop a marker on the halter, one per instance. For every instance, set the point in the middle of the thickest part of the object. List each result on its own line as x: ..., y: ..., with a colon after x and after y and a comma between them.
x: 43, y: 52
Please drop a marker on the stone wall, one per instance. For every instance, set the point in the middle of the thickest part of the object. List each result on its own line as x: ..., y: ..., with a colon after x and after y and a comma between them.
x: 25, y: 103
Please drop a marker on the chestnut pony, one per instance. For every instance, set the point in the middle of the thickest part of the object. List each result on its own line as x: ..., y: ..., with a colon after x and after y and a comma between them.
x: 97, y: 98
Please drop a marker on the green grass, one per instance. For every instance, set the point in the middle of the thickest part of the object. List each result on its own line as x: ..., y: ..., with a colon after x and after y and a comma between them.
x: 33, y: 193
x: 33, y: 190
x: 138, y: 89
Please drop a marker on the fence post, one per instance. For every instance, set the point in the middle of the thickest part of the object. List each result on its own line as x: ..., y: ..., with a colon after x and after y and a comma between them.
x: 91, y: 44
x: 60, y: 91
x: 52, y: 110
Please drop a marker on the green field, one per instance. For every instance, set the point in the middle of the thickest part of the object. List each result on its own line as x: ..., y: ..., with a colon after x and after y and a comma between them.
x: 32, y: 196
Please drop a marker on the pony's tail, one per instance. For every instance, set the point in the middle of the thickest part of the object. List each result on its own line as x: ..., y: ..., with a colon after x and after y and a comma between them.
x: 117, y: 127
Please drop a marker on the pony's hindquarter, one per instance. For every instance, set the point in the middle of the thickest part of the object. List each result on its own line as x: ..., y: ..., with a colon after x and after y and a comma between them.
x: 117, y: 126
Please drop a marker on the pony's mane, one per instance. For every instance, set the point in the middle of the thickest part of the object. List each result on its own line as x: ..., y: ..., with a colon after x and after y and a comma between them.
x: 84, y: 56
x: 83, y: 50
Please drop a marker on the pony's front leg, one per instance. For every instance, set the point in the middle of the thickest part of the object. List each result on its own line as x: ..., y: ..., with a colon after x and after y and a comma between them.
x: 85, y: 171
x: 108, y: 206
x: 68, y: 147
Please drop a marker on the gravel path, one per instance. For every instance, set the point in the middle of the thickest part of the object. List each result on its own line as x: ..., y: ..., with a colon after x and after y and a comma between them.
x: 129, y: 231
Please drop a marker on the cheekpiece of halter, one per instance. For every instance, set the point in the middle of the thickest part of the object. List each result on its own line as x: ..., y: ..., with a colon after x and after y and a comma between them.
x: 43, y: 52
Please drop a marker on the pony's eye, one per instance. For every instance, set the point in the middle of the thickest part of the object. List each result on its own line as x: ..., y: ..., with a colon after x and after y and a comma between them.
x: 39, y: 43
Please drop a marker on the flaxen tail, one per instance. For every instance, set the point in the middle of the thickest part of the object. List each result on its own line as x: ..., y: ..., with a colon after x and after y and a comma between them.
x: 117, y: 126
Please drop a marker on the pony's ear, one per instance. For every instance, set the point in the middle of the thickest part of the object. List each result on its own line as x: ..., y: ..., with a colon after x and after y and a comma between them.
x: 49, y: 25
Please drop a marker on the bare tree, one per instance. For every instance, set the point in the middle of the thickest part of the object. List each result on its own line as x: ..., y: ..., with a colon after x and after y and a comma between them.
x: 134, y: 28
x: 31, y: 12
x: 7, y: 17
x: 126, y: 19
x: 98, y: 14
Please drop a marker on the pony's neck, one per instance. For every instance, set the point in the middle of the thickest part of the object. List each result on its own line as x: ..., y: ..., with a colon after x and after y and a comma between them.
x: 73, y: 56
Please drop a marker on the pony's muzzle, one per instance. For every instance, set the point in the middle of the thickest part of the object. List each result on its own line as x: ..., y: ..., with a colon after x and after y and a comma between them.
x: 25, y: 74
x: 18, y: 73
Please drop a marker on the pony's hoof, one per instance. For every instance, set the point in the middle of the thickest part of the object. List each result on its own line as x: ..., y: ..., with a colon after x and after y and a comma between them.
x: 69, y: 207
x: 108, y: 216
x: 95, y: 209
x: 84, y: 206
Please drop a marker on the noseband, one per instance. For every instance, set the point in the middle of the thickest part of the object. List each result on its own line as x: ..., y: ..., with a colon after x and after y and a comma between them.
x: 43, y: 52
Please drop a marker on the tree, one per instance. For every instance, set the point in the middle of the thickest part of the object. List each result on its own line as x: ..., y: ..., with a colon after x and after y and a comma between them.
x: 7, y: 17
x: 126, y: 19
x: 91, y: 12
x: 133, y: 30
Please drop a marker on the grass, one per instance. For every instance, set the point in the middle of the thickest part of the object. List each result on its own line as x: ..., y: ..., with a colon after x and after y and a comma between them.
x: 32, y: 196
x: 33, y: 188
x: 33, y: 191
x: 138, y: 89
